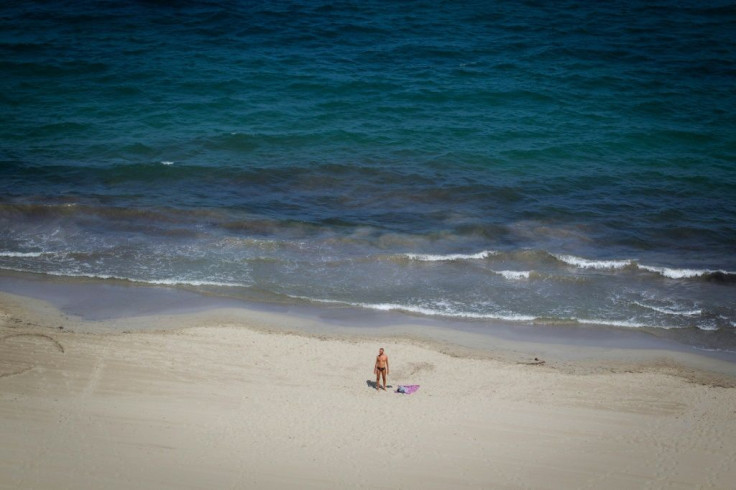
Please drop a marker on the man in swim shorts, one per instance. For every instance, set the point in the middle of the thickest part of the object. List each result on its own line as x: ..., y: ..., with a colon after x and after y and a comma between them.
x: 381, y: 368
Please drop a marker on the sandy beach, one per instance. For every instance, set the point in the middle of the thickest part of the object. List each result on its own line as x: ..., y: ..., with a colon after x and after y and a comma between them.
x: 218, y: 399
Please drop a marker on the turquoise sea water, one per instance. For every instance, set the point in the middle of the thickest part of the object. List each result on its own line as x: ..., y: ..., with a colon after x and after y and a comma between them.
x: 534, y: 162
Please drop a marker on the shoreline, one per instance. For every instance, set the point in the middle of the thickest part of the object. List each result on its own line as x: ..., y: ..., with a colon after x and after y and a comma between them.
x: 95, y: 306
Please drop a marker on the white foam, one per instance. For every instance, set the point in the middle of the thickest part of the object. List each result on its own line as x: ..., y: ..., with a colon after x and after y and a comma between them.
x: 166, y: 162
x: 676, y: 273
x: 621, y: 323
x: 444, y: 313
x: 671, y: 273
x: 190, y: 282
x: 514, y: 275
x: 424, y: 311
x: 706, y: 349
x: 593, y: 264
x: 669, y: 311
x: 21, y: 254
x: 155, y: 282
x: 450, y: 257
x: 708, y: 327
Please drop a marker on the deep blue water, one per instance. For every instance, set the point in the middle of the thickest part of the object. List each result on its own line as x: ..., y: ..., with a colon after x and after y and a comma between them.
x: 538, y: 162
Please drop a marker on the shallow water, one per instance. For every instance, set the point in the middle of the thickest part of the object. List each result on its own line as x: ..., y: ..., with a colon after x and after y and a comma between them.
x: 565, y: 164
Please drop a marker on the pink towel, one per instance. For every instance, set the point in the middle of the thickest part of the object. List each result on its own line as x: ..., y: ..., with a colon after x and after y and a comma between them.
x: 407, y: 389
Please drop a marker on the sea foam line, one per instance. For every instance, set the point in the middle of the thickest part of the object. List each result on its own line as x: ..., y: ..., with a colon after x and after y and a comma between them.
x: 514, y: 275
x: 593, y: 264
x: 421, y: 310
x: 620, y: 323
x: 450, y: 257
x: 21, y: 254
x: 477, y: 316
x: 669, y: 311
x: 155, y: 282
x: 632, y: 324
x: 671, y: 273
x: 706, y: 349
x: 678, y: 273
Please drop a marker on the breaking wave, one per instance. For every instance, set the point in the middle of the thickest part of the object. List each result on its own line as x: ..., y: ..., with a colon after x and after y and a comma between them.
x: 450, y: 257
x: 668, y: 272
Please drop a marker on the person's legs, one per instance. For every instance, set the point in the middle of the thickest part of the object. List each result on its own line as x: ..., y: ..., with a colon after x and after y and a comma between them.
x: 378, y: 379
x: 384, y: 379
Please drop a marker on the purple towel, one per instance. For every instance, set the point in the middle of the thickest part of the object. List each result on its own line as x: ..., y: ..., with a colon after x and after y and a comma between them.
x: 407, y: 389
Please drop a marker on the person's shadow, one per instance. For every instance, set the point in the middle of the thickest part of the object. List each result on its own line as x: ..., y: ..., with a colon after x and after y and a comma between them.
x: 372, y: 384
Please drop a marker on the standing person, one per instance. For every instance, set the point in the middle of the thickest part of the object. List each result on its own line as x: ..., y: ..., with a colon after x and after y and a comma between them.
x: 381, y: 368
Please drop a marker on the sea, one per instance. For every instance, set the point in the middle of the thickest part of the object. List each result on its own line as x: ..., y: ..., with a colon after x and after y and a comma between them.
x: 541, y: 164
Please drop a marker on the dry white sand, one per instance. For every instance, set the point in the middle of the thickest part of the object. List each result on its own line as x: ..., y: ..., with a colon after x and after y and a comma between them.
x: 219, y: 404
